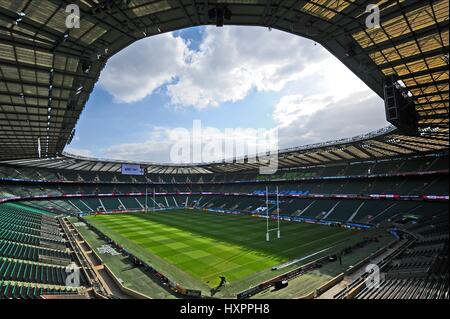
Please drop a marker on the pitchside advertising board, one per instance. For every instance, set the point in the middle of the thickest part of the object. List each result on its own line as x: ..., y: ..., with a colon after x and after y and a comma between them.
x: 132, y: 169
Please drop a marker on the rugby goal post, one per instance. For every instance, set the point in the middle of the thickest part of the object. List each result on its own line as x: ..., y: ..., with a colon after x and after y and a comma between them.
x: 277, y: 229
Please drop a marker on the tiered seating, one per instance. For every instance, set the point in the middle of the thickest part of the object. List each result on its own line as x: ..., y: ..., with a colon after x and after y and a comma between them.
x: 419, y: 272
x: 344, y: 210
x: 30, y: 223
x: 22, y: 291
x: 438, y: 186
x: 396, y: 209
x: 319, y: 208
x: 245, y: 203
x: 22, y: 271
x: 416, y: 265
x: 413, y: 288
x: 57, y: 206
x: 92, y: 203
x: 110, y: 204
x: 439, y: 163
x: 414, y: 165
x: 355, y: 210
x: 419, y: 185
x: 295, y: 206
x: 363, y: 168
x: 19, y: 237
x: 386, y: 167
x: 359, y: 169
x: 33, y: 253
x: 130, y: 203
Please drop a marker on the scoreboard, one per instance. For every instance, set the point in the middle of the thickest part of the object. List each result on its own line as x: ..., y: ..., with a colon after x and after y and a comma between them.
x: 132, y: 169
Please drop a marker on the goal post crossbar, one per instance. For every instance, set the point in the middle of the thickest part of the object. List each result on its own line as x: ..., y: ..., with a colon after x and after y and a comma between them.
x: 153, y: 199
x: 277, y: 229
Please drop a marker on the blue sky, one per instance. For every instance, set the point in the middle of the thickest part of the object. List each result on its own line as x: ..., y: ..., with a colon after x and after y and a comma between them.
x: 231, y: 77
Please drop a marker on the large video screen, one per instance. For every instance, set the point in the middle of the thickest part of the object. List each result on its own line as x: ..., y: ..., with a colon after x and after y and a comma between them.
x: 132, y: 169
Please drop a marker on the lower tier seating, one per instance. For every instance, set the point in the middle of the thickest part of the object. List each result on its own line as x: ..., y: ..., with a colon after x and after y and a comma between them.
x: 15, y: 270
x: 20, y: 291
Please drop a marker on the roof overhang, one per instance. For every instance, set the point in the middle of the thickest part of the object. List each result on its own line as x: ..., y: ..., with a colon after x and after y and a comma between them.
x: 48, y: 71
x: 375, y: 146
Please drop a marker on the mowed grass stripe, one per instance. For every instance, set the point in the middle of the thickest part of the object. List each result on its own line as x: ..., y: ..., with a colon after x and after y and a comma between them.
x: 208, y: 245
x: 314, y: 232
x: 203, y: 256
x: 286, y: 234
x: 251, y: 224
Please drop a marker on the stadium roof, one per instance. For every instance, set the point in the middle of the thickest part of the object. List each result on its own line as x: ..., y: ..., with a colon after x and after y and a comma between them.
x: 379, y: 145
x: 48, y: 71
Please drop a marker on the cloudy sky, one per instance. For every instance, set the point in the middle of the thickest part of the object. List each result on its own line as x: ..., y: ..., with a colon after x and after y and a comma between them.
x: 238, y: 81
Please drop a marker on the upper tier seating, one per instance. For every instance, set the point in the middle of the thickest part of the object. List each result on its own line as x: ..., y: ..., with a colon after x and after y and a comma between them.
x: 393, y: 166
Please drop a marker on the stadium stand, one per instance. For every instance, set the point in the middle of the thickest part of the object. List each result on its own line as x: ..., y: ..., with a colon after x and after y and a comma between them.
x: 34, y: 255
x: 422, y: 270
x: 311, y: 197
x: 391, y: 177
x: 23, y: 291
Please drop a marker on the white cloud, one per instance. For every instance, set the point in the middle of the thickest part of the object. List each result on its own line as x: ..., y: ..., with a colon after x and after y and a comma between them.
x: 140, y: 69
x: 155, y: 147
x: 233, y: 61
x: 79, y: 151
x: 329, y: 75
x: 292, y: 107
x: 182, y: 145
x: 229, y: 64
x: 322, y: 99
x: 356, y: 114
x: 334, y: 103
x: 330, y: 120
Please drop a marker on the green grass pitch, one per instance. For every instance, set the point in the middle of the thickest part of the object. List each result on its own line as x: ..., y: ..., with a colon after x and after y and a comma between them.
x: 208, y: 245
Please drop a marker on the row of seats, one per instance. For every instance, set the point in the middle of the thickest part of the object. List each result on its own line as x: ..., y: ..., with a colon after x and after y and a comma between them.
x: 19, y: 237
x: 26, y: 238
x: 26, y: 214
x: 358, y: 211
x: 413, y: 288
x: 413, y: 266
x: 421, y: 252
x: 411, y: 185
x: 19, y: 220
x: 13, y: 270
x: 18, y: 291
x: 23, y: 229
x: 32, y: 253
x: 10, y: 215
x: 441, y: 265
x: 383, y: 167
x: 19, y: 228
x: 422, y: 270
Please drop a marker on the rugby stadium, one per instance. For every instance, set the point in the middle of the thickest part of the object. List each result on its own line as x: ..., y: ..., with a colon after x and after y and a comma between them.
x: 365, y: 217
